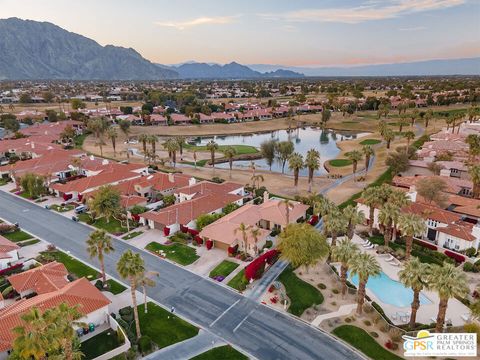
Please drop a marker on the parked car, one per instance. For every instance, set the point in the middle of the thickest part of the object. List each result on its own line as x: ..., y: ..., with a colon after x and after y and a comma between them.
x: 80, y: 209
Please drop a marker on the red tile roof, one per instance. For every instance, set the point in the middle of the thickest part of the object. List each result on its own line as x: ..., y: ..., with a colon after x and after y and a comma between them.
x: 6, y: 246
x: 41, y: 280
x: 462, y: 231
x: 432, y: 212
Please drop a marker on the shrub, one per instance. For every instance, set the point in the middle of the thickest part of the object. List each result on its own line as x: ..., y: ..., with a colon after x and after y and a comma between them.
x: 335, y: 291
x: 6, y: 228
x: 145, y: 344
x: 367, y: 322
x: 322, y: 286
x: 472, y: 328
x: 348, y: 320
x: 469, y: 267
x: 457, y: 257
x: 126, y: 311
x: 395, y: 335
x: 471, y: 252
x: 374, y: 334
x: 99, y: 284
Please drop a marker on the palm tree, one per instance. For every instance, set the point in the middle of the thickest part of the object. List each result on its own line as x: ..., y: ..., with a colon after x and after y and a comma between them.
x: 344, y: 252
x: 288, y: 205
x: 172, y: 147
x: 448, y: 282
x: 374, y: 197
x: 229, y: 152
x: 243, y: 229
x: 98, y: 244
x: 131, y: 266
x: 295, y: 163
x: 144, y: 138
x: 153, y: 139
x: 364, y: 265
x: 144, y: 280
x: 353, y: 218
x: 312, y: 162
x: 413, y: 116
x: 112, y: 135
x: 428, y: 116
x: 256, y: 180
x: 368, y: 151
x: 402, y: 122
x: 354, y: 156
x: 255, y: 233
x: 65, y: 318
x: 33, y: 338
x: 410, y: 225
x: 181, y: 142
x: 474, y: 172
x: 334, y: 224
x: 389, y: 136
x: 125, y: 128
x: 389, y: 214
x: 413, y: 275
x: 409, y: 135
x: 324, y: 206
x: 212, y: 146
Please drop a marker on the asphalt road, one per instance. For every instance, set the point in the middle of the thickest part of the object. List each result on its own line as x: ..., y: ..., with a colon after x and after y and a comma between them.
x: 258, y: 330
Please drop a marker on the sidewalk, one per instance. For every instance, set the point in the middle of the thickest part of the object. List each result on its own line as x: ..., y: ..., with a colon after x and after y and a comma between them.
x: 342, y: 311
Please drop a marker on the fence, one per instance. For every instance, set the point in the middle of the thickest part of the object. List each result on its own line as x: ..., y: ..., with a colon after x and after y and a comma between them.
x: 119, y: 350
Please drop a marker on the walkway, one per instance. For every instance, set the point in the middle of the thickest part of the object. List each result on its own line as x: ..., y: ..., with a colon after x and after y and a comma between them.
x: 342, y: 311
x: 266, y: 280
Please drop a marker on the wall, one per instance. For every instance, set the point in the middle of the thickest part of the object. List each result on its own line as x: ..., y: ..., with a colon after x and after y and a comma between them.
x: 119, y: 350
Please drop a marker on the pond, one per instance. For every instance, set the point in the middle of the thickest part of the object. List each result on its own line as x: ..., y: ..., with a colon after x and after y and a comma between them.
x: 304, y: 139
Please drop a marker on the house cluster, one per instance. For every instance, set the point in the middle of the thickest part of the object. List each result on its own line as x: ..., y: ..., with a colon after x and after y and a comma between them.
x: 454, y: 225
x: 46, y: 287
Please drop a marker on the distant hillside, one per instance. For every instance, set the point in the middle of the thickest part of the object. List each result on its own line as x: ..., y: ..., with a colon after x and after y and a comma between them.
x: 469, y: 66
x: 193, y: 70
x: 41, y: 50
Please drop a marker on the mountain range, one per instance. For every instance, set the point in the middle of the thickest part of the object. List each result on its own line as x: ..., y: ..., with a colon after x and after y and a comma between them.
x: 32, y: 50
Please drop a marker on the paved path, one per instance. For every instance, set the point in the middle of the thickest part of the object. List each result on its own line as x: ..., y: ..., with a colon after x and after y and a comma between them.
x: 188, y: 349
x: 256, y: 329
x: 266, y: 280
x: 342, y: 311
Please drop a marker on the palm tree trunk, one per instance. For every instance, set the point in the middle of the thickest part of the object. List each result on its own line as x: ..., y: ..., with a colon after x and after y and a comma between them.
x: 334, y: 239
x: 343, y: 277
x: 135, y: 310
x: 296, y: 177
x: 367, y: 161
x: 102, y: 266
x: 68, y: 351
x: 388, y: 233
x: 213, y: 159
x: 231, y: 164
x: 408, y: 247
x: 145, y: 298
x: 370, y: 220
x: 361, y: 297
x: 415, y: 306
x: 310, y: 179
x: 350, y: 230
x: 442, y: 310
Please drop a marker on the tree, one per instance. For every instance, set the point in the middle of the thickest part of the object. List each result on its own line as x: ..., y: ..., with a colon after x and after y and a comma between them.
x: 113, y: 135
x: 334, y: 224
x: 243, y: 229
x: 402, y: 121
x: 368, y: 151
x: 267, y: 149
x: 181, y: 143
x: 33, y: 185
x: 473, y: 141
x: 106, y: 202
x: 398, y: 161
x: 152, y: 140
x: 388, y: 214
x: 354, y: 156
x: 363, y: 265
x: 410, y: 225
x: 413, y: 275
x: 288, y: 205
x: 229, y: 152
x: 295, y: 163
x: 144, y: 280
x: 131, y: 266
x: 374, y: 197
x: 256, y: 179
x: 427, y: 117
x: 474, y: 172
x: 68, y: 133
x: 144, y: 138
x: 77, y: 104
x: 302, y: 245
x: 172, y: 147
x: 312, y: 162
x: 65, y: 318
x: 11, y: 125
x: 98, y: 244
x: 409, y: 135
x: 413, y: 116
x: 353, y: 218
x: 388, y: 136
x: 324, y: 206
x: 212, y: 146
x: 98, y: 127
x: 449, y: 282
x: 283, y: 151
x: 125, y: 128
x: 326, y: 115
x: 433, y: 190
x: 254, y: 234
x: 344, y: 252
x: 206, y: 219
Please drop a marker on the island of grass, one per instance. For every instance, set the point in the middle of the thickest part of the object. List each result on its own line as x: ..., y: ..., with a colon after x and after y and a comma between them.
x: 223, y: 269
x: 223, y: 352
x: 17, y: 235
x: 240, y: 149
x: 100, y: 344
x: 340, y: 162
x: 370, y: 142
x: 163, y: 327
x: 62, y: 209
x: 239, y: 281
x: 114, y: 287
x: 179, y: 253
x: 362, y: 341
x: 302, y: 295
x: 74, y: 266
x: 28, y: 242
x: 113, y: 226
x: 132, y: 235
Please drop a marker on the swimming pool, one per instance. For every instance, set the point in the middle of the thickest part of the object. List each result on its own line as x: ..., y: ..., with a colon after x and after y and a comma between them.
x: 390, y: 291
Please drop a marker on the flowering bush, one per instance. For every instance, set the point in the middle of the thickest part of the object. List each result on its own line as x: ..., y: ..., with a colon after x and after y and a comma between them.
x: 274, y: 300
x: 166, y: 231
x: 232, y: 250
x: 192, y: 232
x: 209, y: 244
x: 183, y: 228
x: 6, y: 228
x: 271, y: 289
x: 457, y: 257
x: 198, y: 240
x: 426, y: 245
x: 313, y: 220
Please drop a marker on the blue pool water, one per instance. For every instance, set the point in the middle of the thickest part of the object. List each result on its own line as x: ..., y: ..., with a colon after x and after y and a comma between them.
x: 390, y: 291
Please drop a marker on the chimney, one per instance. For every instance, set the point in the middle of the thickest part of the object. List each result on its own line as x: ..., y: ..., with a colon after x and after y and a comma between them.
x: 92, y: 157
x: 266, y: 196
x: 171, y: 177
x: 412, y: 193
x: 104, y: 162
x: 192, y: 181
x: 33, y: 145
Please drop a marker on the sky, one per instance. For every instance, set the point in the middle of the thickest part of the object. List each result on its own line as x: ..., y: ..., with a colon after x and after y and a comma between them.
x: 286, y: 32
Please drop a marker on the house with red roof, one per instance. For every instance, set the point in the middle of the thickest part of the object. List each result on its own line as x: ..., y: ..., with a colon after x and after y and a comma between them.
x: 157, y: 119
x: 180, y: 119
x: 8, y: 253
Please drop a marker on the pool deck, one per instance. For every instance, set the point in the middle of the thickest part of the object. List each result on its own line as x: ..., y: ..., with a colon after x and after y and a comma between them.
x: 426, y: 312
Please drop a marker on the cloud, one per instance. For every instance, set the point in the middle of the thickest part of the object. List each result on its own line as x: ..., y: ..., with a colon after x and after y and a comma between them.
x: 368, y: 11
x: 414, y: 28
x: 182, y: 25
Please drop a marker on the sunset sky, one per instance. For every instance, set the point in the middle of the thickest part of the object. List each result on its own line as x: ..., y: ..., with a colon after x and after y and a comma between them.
x: 287, y: 32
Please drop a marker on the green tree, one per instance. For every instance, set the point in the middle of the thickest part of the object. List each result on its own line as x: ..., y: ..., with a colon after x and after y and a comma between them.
x: 267, y: 149
x: 388, y: 136
x: 344, y: 252
x: 106, y: 202
x: 312, y: 162
x: 409, y: 135
x: 113, y: 135
x: 283, y: 151
x: 77, y: 104
x: 388, y: 214
x: 413, y: 275
x: 243, y: 230
x: 206, y: 219
x: 144, y: 138
x: 398, y: 161
x: 145, y: 280
x: 402, y: 121
x: 229, y: 152
x: 99, y: 244
x: 172, y: 147
x: 410, y: 225
x: 334, y: 224
x: 131, y: 266
x: 256, y: 179
x: 181, y: 143
x: 10, y: 125
x: 295, y: 163
x: 302, y: 245
x: 363, y: 265
x: 65, y: 318
x: 212, y: 146
x: 33, y: 185
x: 449, y: 282
x: 353, y: 218
x: 368, y: 151
x: 427, y: 117
x: 326, y: 115
x: 98, y: 126
x: 152, y: 140
x: 474, y: 172
x: 354, y: 156
x: 375, y: 197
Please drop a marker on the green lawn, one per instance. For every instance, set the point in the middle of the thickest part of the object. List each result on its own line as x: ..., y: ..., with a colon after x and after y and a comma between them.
x: 113, y: 226
x: 361, y: 340
x: 370, y: 142
x: 240, y: 149
x: 340, y: 162
x: 3, y: 181
x: 239, y: 281
x: 28, y: 242
x: 223, y: 269
x: 79, y: 139
x: 301, y: 294
x: 100, y: 344
x: 132, y: 235
x: 221, y: 353
x: 114, y: 287
x: 17, y: 236
x: 75, y: 267
x: 61, y: 209
x: 163, y: 327
x: 200, y: 163
x: 181, y: 254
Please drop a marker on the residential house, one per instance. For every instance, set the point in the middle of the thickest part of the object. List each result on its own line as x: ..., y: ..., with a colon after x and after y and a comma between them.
x: 180, y: 119
x: 8, y: 253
